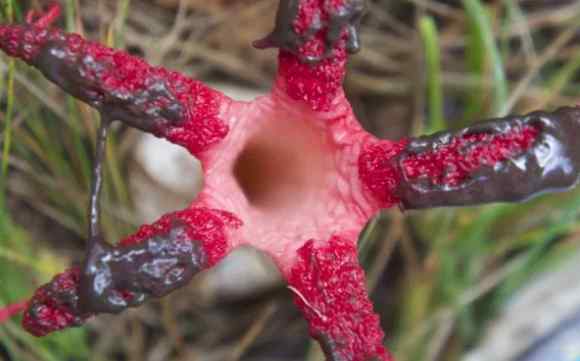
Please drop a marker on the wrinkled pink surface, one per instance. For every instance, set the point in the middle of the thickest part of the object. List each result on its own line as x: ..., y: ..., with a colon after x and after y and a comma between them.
x: 308, y: 169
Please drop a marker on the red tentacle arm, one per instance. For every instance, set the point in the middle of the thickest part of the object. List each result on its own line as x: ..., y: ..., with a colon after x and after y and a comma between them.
x: 314, y: 37
x: 154, y: 261
x: 329, y: 288
x: 120, y: 86
x: 44, y: 20
x: 500, y: 160
x: 10, y: 310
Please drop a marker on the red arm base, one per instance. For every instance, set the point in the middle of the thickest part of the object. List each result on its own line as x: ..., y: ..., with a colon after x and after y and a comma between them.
x: 314, y: 37
x: 330, y: 290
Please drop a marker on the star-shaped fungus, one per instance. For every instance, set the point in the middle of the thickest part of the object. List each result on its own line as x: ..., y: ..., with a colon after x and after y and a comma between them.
x: 291, y: 173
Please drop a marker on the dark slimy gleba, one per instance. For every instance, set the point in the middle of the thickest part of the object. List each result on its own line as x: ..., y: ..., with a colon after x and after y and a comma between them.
x: 544, y: 160
x: 151, y: 108
x: 115, y: 278
x: 337, y: 21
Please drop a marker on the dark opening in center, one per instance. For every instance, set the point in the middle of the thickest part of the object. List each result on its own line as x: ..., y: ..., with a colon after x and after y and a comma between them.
x: 281, y: 165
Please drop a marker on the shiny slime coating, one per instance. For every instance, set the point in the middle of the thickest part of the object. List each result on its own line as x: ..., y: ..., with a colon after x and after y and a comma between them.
x: 291, y: 173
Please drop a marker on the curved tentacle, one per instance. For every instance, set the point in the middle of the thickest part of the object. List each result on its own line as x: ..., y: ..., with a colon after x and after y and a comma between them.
x: 12, y: 309
x: 510, y: 159
x: 330, y: 290
x: 153, y: 262
x: 120, y: 86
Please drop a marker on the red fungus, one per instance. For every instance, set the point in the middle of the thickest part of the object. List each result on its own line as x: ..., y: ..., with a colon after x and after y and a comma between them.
x: 11, y: 310
x: 291, y: 173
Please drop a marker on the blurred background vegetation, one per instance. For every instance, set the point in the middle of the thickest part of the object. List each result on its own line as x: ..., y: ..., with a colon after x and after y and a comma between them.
x: 438, y: 277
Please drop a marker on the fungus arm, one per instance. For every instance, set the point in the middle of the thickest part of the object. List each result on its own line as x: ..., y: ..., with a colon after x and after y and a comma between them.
x: 120, y: 86
x: 510, y: 159
x: 153, y: 262
x: 314, y: 38
x: 10, y: 310
x: 330, y: 290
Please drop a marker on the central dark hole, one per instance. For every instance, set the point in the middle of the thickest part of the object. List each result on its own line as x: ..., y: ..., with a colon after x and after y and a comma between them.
x: 281, y: 165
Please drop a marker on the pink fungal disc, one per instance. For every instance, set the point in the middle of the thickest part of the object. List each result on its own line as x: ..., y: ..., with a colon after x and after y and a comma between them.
x: 289, y: 174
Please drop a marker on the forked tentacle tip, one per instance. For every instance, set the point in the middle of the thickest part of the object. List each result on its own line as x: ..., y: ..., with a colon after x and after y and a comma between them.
x: 46, y: 18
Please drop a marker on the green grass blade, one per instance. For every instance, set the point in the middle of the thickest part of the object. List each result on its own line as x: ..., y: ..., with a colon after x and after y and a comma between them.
x: 475, y: 59
x: 486, y: 48
x: 8, y: 89
x: 562, y: 78
x: 433, y: 62
x: 122, y: 12
x: 7, y: 137
x: 516, y: 16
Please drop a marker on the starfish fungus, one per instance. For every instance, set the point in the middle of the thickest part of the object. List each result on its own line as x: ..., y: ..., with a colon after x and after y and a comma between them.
x: 292, y: 173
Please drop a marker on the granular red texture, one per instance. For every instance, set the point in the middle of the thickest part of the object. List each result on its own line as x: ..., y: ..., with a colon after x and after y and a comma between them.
x: 22, y: 42
x: 378, y: 171
x: 315, y: 84
x: 453, y: 162
x: 329, y: 287
x: 54, y: 306
x: 207, y: 226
